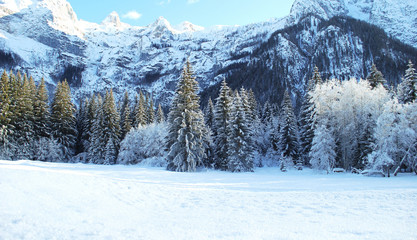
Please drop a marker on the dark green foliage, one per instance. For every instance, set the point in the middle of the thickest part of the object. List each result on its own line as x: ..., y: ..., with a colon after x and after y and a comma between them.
x: 187, y: 135
x: 63, y: 119
x: 375, y: 77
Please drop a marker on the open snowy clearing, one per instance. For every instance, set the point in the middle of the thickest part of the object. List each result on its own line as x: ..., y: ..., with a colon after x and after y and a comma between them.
x: 74, y: 201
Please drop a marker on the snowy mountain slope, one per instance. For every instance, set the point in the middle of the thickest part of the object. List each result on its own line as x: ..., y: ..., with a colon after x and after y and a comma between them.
x: 397, y: 18
x: 45, y: 38
x: 78, y: 201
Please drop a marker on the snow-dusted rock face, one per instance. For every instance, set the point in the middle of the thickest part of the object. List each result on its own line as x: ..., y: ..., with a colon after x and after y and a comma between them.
x: 45, y: 38
x: 397, y: 17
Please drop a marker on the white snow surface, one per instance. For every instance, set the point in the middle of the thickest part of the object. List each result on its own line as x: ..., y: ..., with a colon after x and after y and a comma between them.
x: 75, y: 201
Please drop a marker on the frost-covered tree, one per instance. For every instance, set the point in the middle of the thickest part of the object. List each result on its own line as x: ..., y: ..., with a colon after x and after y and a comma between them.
x: 240, y: 150
x: 307, y: 117
x: 288, y: 132
x: 97, y: 139
x: 375, y: 77
x: 186, y: 139
x: 221, y: 131
x: 143, y: 143
x: 407, y: 89
x: 322, y: 154
x: 63, y: 119
x: 393, y: 137
x: 47, y: 150
x: 160, y: 116
x: 348, y: 107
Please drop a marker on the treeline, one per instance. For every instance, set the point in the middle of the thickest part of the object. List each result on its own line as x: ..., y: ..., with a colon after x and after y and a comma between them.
x: 354, y: 125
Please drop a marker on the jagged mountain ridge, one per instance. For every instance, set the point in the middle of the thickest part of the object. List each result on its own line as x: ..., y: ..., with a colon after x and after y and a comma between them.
x: 45, y: 38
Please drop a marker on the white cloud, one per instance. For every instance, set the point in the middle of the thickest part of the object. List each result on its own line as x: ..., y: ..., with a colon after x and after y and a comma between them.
x: 132, y: 15
x: 192, y: 1
x: 162, y: 3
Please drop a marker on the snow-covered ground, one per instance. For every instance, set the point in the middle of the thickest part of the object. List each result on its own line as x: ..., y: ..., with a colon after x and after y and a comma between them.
x: 74, y: 201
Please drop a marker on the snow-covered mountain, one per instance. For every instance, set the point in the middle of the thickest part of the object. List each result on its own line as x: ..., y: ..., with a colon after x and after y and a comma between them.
x: 45, y: 38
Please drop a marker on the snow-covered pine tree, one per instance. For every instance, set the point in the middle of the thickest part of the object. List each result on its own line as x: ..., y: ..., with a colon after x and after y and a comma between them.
x: 222, y: 116
x: 112, y: 126
x: 407, y: 89
x: 288, y: 135
x: 322, y: 153
x: 63, y: 119
x: 209, y: 114
x: 42, y: 116
x: 110, y: 155
x: 240, y: 156
x: 186, y: 137
x: 97, y: 146
x: 306, y: 122
x: 125, y: 121
x: 5, y: 115
x: 150, y: 110
x: 160, y: 116
x: 140, y: 118
x: 23, y: 133
x: 375, y: 77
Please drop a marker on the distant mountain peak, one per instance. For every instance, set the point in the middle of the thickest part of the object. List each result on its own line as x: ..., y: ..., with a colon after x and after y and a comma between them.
x: 112, y: 20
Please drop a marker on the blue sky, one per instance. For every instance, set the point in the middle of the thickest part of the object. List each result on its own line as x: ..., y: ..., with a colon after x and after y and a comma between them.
x: 205, y: 13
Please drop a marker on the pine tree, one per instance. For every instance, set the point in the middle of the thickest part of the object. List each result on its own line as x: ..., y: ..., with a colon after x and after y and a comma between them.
x: 5, y: 115
x: 160, y: 116
x: 150, y: 113
x: 86, y: 136
x: 240, y: 158
x: 222, y: 116
x: 23, y: 133
x: 322, y: 152
x: 111, y: 125
x: 125, y: 122
x: 186, y: 126
x: 209, y: 114
x: 307, y: 117
x: 288, y: 142
x: 42, y: 117
x: 98, y: 142
x: 407, y: 90
x: 63, y: 119
x: 140, y: 117
x: 81, y: 123
x: 375, y: 77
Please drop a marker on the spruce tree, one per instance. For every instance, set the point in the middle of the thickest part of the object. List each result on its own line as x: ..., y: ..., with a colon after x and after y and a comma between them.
x: 288, y: 136
x: 140, y: 117
x: 322, y: 152
x: 125, y: 121
x: 375, y: 77
x: 160, y: 116
x: 240, y: 158
x: 222, y: 116
x: 209, y: 114
x: 150, y: 116
x: 186, y: 137
x: 98, y: 142
x: 5, y: 115
x: 407, y: 90
x: 23, y: 133
x: 111, y: 125
x: 307, y: 117
x: 42, y: 117
x: 63, y: 119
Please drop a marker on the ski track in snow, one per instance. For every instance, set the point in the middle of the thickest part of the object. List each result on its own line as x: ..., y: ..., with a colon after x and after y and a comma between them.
x: 74, y: 201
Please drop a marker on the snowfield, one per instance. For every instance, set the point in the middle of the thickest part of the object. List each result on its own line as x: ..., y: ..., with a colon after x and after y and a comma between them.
x: 75, y: 201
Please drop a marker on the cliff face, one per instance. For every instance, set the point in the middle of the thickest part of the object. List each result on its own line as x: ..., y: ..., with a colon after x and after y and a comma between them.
x: 45, y: 38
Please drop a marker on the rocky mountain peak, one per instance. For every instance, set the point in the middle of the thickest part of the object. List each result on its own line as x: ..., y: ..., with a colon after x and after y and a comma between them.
x: 112, y: 20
